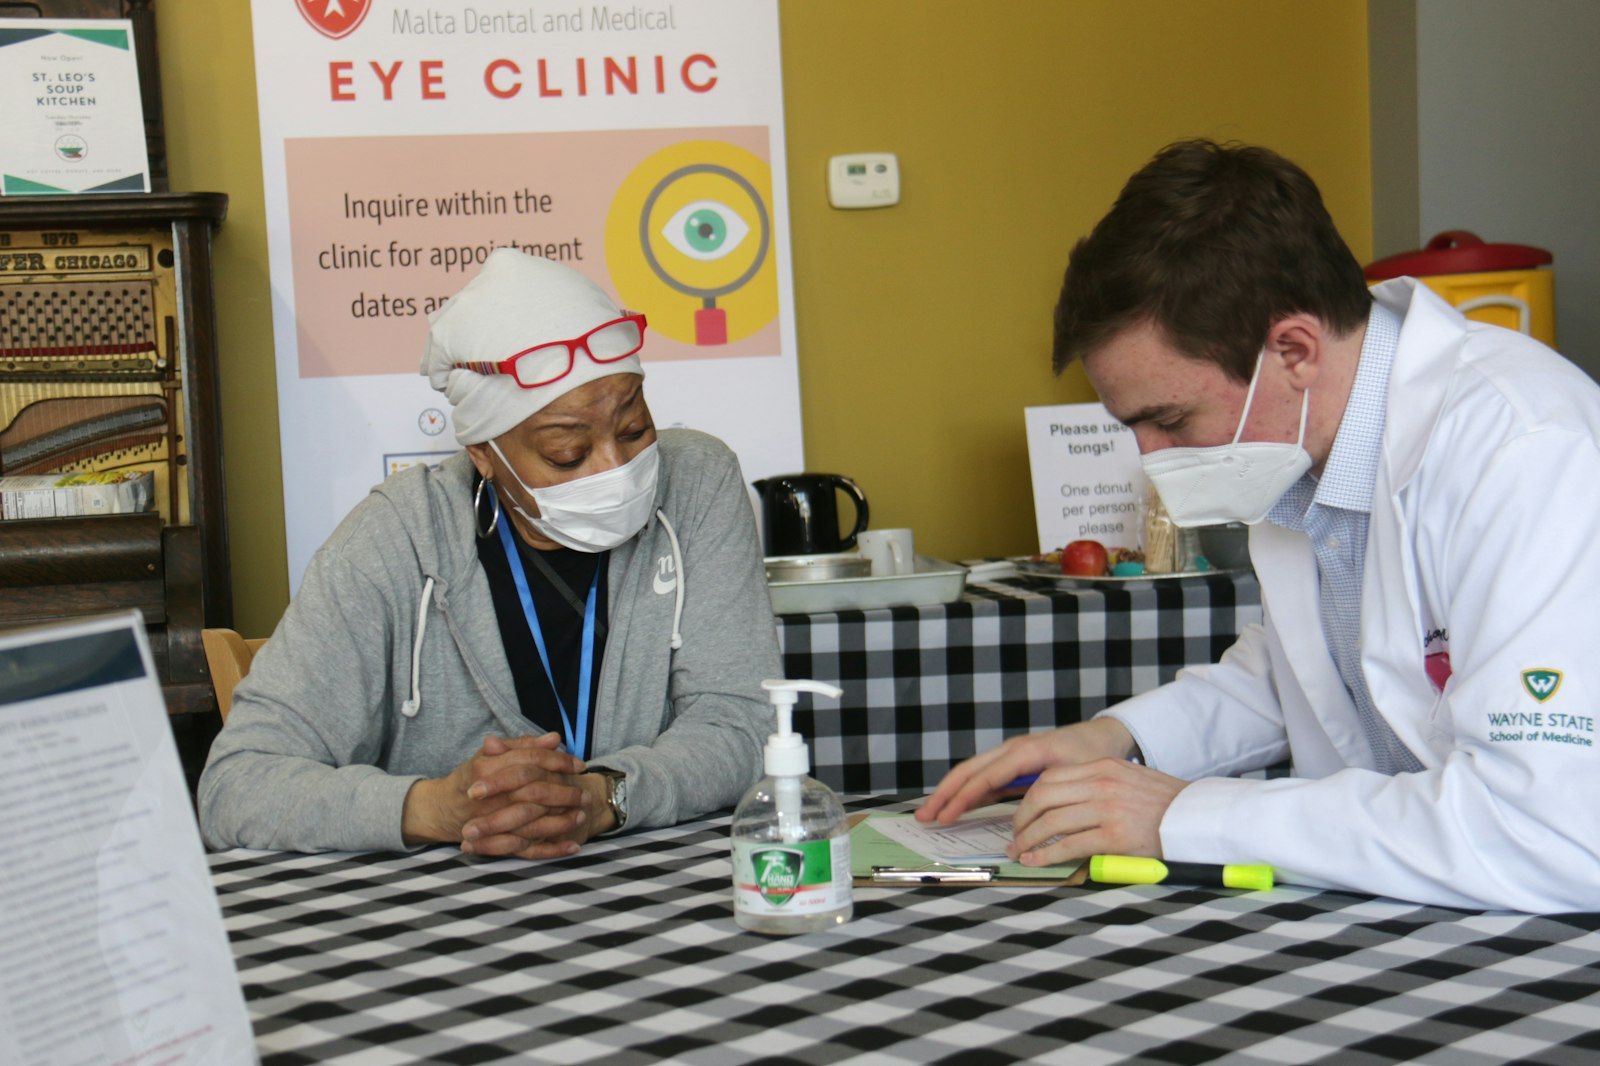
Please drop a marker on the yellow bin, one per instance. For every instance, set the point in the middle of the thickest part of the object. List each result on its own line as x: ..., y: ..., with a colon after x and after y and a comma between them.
x: 1501, y: 284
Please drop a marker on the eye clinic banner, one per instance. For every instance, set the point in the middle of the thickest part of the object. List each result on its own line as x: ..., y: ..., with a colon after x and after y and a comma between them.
x: 403, y: 142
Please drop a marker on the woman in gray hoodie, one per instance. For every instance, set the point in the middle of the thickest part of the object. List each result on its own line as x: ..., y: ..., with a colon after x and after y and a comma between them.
x: 557, y: 633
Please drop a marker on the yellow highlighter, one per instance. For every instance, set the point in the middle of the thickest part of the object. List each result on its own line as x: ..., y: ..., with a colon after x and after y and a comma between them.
x: 1131, y: 870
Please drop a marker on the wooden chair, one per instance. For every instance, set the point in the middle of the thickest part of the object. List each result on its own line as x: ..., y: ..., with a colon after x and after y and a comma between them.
x: 228, y: 656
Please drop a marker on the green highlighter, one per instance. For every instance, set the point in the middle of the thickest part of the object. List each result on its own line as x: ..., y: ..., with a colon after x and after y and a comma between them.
x: 1131, y: 870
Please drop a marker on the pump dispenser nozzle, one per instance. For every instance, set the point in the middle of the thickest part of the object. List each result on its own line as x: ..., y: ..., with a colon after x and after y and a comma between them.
x: 787, y: 754
x: 787, y: 759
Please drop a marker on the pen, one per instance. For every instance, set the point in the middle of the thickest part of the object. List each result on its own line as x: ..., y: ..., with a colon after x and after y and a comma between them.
x: 1130, y: 870
x: 1027, y: 780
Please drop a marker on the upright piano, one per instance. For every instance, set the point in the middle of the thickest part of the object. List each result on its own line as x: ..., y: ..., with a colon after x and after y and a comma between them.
x: 108, y: 362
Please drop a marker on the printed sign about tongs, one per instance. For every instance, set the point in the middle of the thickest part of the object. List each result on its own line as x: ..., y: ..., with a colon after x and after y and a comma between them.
x: 1087, y: 482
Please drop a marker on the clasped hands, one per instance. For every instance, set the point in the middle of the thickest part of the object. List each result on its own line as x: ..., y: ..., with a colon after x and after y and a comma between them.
x: 518, y: 796
x: 1089, y: 799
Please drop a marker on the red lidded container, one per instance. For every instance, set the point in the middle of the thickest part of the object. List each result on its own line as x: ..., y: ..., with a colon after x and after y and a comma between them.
x: 1496, y: 283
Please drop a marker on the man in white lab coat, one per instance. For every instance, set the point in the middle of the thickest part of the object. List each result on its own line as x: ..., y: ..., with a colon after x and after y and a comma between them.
x: 1424, y: 494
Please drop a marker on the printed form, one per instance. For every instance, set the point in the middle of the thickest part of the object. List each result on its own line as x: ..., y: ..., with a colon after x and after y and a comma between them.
x: 978, y: 836
x: 114, y: 944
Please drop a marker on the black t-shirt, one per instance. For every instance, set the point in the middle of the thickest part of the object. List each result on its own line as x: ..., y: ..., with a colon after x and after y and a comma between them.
x: 559, y: 623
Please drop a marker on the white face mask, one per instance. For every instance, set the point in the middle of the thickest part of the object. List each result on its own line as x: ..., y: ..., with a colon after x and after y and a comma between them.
x: 1231, y: 482
x: 598, y: 512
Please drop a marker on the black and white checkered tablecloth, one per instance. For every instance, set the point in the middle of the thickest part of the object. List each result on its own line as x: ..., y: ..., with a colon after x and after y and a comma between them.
x: 629, y: 953
x: 925, y: 687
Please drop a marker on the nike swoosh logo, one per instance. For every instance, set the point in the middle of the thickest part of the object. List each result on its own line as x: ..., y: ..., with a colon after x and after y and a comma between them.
x: 664, y: 587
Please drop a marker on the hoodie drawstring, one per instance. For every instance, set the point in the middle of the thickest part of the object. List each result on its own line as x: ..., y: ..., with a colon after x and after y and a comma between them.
x: 411, y: 706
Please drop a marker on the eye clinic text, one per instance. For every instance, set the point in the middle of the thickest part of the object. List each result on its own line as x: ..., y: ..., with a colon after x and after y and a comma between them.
x: 506, y: 78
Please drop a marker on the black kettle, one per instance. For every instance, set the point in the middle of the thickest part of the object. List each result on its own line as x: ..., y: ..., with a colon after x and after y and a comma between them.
x: 800, y: 515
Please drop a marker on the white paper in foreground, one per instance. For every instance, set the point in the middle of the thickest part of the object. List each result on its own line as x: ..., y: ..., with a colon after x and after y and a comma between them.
x: 980, y: 835
x: 114, y: 947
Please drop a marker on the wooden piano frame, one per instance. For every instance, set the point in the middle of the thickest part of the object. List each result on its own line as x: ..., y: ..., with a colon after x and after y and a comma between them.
x: 173, y: 566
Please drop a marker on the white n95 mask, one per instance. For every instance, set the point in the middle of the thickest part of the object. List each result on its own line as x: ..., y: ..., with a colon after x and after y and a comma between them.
x: 1231, y: 482
x: 598, y: 512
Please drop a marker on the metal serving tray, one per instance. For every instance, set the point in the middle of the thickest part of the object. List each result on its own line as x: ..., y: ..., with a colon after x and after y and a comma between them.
x: 934, y: 581
x: 1052, y: 572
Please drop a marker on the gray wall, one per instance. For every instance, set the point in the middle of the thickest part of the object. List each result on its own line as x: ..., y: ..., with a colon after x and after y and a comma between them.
x: 1392, y: 59
x: 1507, y: 114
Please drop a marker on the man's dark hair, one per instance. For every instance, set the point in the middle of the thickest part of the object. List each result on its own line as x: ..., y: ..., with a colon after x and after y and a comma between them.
x: 1211, y: 244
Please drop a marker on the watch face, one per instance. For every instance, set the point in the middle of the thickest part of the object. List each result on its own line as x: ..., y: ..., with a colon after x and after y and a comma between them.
x: 619, y: 793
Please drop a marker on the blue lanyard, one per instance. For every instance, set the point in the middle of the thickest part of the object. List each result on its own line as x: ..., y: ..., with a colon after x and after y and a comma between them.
x: 575, y: 740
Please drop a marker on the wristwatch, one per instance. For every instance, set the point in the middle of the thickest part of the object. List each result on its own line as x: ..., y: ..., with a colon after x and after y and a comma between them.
x: 616, y: 794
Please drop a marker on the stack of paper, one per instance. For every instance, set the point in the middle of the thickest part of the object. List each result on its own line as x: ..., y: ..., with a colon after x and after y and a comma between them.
x: 978, y: 838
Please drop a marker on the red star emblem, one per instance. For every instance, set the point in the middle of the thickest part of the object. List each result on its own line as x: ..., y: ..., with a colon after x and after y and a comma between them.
x: 334, y: 18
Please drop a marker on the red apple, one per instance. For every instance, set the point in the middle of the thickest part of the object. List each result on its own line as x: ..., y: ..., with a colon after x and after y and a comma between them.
x: 1084, y: 558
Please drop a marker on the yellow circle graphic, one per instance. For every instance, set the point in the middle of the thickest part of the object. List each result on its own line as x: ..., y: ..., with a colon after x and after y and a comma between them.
x: 689, y: 242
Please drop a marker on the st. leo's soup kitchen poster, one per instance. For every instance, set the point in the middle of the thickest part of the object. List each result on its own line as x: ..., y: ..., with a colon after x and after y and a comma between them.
x: 402, y: 142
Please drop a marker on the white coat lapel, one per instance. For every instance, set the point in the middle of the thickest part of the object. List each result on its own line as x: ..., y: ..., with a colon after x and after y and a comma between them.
x: 1391, y: 616
x: 1391, y: 624
x: 1292, y: 599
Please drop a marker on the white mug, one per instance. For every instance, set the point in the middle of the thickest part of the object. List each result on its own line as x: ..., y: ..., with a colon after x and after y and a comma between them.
x: 889, y: 549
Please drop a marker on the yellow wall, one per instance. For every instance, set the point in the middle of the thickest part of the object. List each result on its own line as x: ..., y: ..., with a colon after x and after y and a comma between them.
x: 924, y: 329
x: 208, y: 85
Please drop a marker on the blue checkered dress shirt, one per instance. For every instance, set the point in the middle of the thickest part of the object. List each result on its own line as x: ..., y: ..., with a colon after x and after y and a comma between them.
x: 1333, y: 513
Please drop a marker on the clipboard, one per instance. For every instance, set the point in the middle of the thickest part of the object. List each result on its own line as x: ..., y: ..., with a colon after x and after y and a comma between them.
x: 870, y: 848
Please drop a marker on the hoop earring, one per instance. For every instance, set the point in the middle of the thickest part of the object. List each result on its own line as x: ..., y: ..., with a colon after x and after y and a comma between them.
x: 477, y: 510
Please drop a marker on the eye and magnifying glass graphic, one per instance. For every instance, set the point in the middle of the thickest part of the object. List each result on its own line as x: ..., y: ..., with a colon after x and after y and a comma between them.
x: 707, y: 231
x: 690, y: 238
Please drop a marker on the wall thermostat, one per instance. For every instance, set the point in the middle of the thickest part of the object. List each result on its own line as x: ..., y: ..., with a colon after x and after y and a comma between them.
x: 867, y: 179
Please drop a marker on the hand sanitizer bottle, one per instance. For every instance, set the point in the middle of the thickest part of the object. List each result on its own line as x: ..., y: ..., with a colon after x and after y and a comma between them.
x: 791, y: 842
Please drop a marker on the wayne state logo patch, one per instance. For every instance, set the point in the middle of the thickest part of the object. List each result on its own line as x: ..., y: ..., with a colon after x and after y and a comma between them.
x: 1541, y: 684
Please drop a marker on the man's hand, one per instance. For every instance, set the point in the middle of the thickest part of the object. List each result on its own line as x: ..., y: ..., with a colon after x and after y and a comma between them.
x: 982, y: 778
x: 518, y: 830
x: 1105, y: 807
x: 515, y: 797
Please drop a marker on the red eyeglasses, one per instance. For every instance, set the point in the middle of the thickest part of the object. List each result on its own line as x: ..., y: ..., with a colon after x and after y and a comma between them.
x: 544, y: 364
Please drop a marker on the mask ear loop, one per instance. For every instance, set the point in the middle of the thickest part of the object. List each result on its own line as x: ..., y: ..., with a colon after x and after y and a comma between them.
x: 520, y: 484
x: 1249, y: 398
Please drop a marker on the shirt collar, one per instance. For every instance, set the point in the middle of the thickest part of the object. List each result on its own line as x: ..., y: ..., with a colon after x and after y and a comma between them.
x: 1351, y: 473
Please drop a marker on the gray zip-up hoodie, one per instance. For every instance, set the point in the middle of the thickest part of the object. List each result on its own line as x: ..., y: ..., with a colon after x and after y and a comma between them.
x: 389, y: 667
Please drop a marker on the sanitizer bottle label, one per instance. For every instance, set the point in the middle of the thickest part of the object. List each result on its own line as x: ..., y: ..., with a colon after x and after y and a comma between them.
x: 811, y: 877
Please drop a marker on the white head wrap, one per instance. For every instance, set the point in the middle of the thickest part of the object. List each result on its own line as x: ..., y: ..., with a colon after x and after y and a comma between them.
x: 516, y: 301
